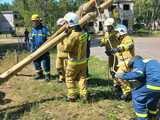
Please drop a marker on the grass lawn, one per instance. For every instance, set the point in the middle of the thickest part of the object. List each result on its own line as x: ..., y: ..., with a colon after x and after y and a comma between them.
x: 39, y: 100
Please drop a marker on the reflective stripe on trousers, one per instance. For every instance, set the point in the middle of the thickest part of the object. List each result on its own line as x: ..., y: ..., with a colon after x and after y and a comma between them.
x: 77, y: 62
x: 151, y: 87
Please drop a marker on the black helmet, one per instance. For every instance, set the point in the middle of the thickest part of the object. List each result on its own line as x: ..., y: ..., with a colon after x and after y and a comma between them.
x: 130, y: 63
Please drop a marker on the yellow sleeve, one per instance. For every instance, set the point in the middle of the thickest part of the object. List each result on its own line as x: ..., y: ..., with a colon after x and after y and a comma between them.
x: 127, y: 43
x: 104, y: 40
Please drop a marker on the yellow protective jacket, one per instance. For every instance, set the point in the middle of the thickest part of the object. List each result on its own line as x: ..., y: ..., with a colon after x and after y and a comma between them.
x: 127, y: 44
x: 60, y: 49
x: 109, y: 38
x: 76, y: 46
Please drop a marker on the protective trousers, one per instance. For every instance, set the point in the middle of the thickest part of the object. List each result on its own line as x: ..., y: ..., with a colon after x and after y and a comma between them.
x: 76, y: 73
x: 145, y: 102
x: 42, y: 63
x: 112, y: 60
x: 61, y: 63
x: 125, y: 85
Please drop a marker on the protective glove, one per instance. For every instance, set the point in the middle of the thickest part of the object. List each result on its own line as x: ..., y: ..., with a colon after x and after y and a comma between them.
x: 119, y: 75
x: 115, y: 50
x: 108, y: 52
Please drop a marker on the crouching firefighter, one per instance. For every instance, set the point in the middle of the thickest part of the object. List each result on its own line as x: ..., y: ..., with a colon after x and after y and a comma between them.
x: 145, y: 97
x: 124, y: 52
x: 62, y: 56
x: 39, y: 35
x: 77, y: 62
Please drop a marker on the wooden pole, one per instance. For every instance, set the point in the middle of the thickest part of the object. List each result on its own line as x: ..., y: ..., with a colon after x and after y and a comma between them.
x: 82, y: 9
x: 51, y: 43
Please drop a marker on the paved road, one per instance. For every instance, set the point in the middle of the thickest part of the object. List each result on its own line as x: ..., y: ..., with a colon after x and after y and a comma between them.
x: 145, y: 46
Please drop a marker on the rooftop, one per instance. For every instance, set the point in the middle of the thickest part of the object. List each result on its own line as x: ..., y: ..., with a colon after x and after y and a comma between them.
x: 6, y: 12
x: 123, y: 1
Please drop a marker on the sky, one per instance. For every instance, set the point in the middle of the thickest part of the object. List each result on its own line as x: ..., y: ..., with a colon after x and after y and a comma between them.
x: 6, y: 1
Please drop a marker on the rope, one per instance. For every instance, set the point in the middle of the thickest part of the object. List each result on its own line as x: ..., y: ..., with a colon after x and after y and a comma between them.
x: 99, y: 13
x: 114, y: 60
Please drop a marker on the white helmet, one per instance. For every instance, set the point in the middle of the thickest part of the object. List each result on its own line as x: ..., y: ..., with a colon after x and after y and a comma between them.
x: 109, y: 22
x: 72, y: 19
x: 61, y: 21
x: 122, y: 29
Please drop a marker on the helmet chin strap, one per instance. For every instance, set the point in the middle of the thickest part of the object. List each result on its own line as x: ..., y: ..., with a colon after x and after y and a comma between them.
x: 77, y: 28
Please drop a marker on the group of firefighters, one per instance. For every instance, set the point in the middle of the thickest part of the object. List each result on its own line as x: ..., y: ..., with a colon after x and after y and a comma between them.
x: 72, y: 60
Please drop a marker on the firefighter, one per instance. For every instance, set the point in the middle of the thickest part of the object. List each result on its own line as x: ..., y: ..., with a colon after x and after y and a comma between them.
x: 110, y: 41
x: 124, y: 52
x: 61, y: 56
x: 39, y: 35
x: 77, y: 62
x: 145, y: 97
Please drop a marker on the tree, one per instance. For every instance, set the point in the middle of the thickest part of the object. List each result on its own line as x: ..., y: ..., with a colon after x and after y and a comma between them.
x: 147, y: 11
x: 5, y: 6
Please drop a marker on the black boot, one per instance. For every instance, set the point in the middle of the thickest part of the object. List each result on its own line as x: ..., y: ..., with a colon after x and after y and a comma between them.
x: 47, y: 77
x: 126, y: 97
x: 2, y: 95
x: 39, y: 75
x: 71, y: 99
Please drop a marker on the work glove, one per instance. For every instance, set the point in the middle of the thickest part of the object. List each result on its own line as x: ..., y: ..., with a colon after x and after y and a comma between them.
x: 115, y: 50
x: 108, y: 52
x: 119, y: 75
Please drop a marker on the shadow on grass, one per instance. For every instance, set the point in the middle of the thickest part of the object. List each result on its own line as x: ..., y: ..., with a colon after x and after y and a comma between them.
x: 16, y: 112
x: 94, y: 82
x: 98, y: 95
x: 100, y: 89
x: 142, y: 34
x: 53, y: 77
x: 26, y: 75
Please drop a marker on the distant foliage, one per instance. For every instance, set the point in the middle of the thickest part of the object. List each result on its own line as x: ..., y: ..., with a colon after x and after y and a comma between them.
x: 49, y: 10
x: 147, y: 11
x: 5, y: 6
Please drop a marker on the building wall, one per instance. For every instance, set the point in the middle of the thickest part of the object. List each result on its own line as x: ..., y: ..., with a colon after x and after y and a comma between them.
x: 7, y: 22
x: 126, y: 16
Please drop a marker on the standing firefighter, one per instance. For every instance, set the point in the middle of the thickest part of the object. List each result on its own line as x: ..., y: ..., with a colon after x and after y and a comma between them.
x: 110, y: 41
x: 61, y: 55
x: 77, y: 62
x: 124, y: 52
x: 39, y: 36
x: 145, y: 97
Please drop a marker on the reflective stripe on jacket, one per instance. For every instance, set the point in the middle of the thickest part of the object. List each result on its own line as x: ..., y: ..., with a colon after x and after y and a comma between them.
x: 76, y: 46
x: 38, y: 37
